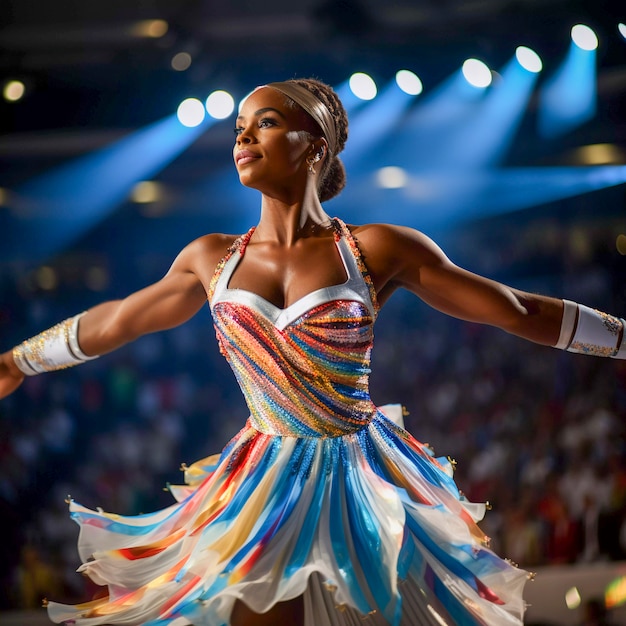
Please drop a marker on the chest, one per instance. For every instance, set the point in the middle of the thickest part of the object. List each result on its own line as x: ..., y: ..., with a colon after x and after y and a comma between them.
x: 284, y: 275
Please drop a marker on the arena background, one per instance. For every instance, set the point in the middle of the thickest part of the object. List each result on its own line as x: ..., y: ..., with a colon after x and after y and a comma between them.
x: 521, y: 180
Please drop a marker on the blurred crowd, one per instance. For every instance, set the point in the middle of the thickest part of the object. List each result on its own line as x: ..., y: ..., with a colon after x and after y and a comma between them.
x: 537, y: 432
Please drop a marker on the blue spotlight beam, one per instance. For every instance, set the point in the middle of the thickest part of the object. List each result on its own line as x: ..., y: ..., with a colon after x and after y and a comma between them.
x: 374, y: 122
x: 569, y: 98
x: 432, y: 124
x: 445, y: 199
x: 59, y: 206
x: 488, y: 132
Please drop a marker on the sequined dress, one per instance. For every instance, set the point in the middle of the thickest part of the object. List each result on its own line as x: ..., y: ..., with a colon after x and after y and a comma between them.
x: 320, y: 495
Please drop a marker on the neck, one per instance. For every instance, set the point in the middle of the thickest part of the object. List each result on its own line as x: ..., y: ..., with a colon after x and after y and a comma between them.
x: 287, y: 221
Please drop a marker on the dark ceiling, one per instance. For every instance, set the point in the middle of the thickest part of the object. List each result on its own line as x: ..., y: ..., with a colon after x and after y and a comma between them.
x: 86, y: 66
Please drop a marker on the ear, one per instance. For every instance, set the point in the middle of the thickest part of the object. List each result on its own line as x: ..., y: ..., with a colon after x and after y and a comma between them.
x: 320, y: 148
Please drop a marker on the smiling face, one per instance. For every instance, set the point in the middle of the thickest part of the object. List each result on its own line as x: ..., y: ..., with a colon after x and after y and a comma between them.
x: 273, y: 142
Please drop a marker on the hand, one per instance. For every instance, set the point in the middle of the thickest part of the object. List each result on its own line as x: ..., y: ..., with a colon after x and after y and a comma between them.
x: 10, y: 376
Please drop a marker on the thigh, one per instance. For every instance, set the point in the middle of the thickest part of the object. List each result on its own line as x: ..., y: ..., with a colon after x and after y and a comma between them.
x: 288, y: 613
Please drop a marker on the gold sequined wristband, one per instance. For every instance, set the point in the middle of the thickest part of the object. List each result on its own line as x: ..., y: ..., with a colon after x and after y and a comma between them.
x: 53, y: 349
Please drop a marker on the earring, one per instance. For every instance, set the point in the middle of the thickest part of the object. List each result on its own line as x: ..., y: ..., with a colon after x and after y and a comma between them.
x: 311, y: 160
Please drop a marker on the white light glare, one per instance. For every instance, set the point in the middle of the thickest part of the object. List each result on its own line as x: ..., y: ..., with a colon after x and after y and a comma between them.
x: 622, y: 29
x: 584, y: 37
x: 220, y: 104
x: 190, y: 112
x: 572, y: 598
x: 409, y: 82
x: 363, y: 86
x: 391, y: 177
x: 477, y: 73
x: 528, y: 59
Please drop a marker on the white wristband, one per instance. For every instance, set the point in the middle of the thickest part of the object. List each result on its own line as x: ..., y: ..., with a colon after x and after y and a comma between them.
x: 53, y: 349
x: 568, y: 324
x: 592, y: 332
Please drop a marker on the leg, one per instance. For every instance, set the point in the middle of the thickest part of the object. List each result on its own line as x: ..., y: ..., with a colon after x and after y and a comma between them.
x: 289, y: 613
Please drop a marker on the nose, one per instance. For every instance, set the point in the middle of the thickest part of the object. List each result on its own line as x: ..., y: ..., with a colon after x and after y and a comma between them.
x: 244, y: 136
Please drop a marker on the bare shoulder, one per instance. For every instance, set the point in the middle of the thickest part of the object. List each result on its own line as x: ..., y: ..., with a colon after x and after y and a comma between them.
x: 202, y: 255
x: 393, y: 243
x: 393, y: 254
x: 210, y: 247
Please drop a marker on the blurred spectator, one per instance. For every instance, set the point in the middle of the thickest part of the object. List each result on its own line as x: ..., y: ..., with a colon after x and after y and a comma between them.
x: 35, y: 579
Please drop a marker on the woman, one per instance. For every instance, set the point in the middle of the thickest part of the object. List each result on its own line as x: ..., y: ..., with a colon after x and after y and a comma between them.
x: 321, y: 511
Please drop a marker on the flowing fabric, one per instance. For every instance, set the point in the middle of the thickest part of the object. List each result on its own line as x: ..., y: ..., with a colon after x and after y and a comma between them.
x: 321, y: 494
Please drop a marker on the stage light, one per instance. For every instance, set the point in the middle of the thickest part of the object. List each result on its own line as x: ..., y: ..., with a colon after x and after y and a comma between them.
x: 569, y: 97
x: 391, y: 177
x: 477, y: 73
x: 190, y: 112
x: 621, y: 27
x: 363, y: 86
x: 47, y: 278
x: 584, y: 37
x: 409, y: 82
x: 220, y: 104
x: 599, y: 154
x: 153, y: 29
x: 181, y: 61
x: 13, y: 90
x: 146, y: 191
x: 528, y: 59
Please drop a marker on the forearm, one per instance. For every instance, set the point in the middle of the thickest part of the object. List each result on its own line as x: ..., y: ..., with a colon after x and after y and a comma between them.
x: 536, y: 318
x: 102, y: 330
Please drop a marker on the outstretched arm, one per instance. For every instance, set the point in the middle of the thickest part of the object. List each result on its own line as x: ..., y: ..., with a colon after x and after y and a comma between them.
x: 165, y: 304
x: 403, y: 257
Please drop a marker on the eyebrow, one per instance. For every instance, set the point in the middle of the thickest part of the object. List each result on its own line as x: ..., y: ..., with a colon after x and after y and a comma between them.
x: 264, y: 110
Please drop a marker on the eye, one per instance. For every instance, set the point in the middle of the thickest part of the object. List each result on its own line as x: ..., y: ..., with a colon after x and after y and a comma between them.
x: 265, y: 122
x: 238, y: 130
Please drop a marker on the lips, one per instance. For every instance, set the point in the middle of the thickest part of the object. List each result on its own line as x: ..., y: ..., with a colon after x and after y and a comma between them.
x: 245, y: 156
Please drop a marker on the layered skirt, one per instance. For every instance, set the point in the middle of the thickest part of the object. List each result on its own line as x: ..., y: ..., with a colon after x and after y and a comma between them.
x: 368, y: 527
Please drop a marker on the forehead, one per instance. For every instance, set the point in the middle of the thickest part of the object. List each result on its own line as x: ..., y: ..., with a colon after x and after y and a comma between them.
x: 265, y: 97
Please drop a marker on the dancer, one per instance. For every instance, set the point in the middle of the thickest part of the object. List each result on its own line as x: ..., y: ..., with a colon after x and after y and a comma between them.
x: 322, y: 510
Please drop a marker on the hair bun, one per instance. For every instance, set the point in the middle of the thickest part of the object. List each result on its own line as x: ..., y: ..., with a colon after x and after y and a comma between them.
x: 334, y: 180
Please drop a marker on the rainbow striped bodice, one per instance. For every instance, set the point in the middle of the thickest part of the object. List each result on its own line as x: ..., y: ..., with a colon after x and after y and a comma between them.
x: 304, y: 370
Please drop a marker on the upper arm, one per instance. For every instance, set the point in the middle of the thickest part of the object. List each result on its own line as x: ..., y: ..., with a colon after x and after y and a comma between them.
x: 167, y: 303
x: 403, y: 257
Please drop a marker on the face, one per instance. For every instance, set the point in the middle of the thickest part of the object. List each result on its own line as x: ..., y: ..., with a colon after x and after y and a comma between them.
x: 272, y: 142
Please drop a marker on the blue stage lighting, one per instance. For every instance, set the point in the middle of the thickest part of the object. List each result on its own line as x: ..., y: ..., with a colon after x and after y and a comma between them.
x: 374, y: 123
x: 190, y: 112
x: 391, y: 177
x: 568, y: 99
x: 445, y: 199
x: 621, y: 27
x: 477, y: 73
x: 220, y: 105
x: 363, y: 86
x: 528, y: 59
x: 409, y: 82
x: 489, y: 129
x: 584, y: 37
x: 59, y: 206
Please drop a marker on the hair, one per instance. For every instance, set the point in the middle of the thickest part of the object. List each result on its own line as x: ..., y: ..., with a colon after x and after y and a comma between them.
x: 333, y: 175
